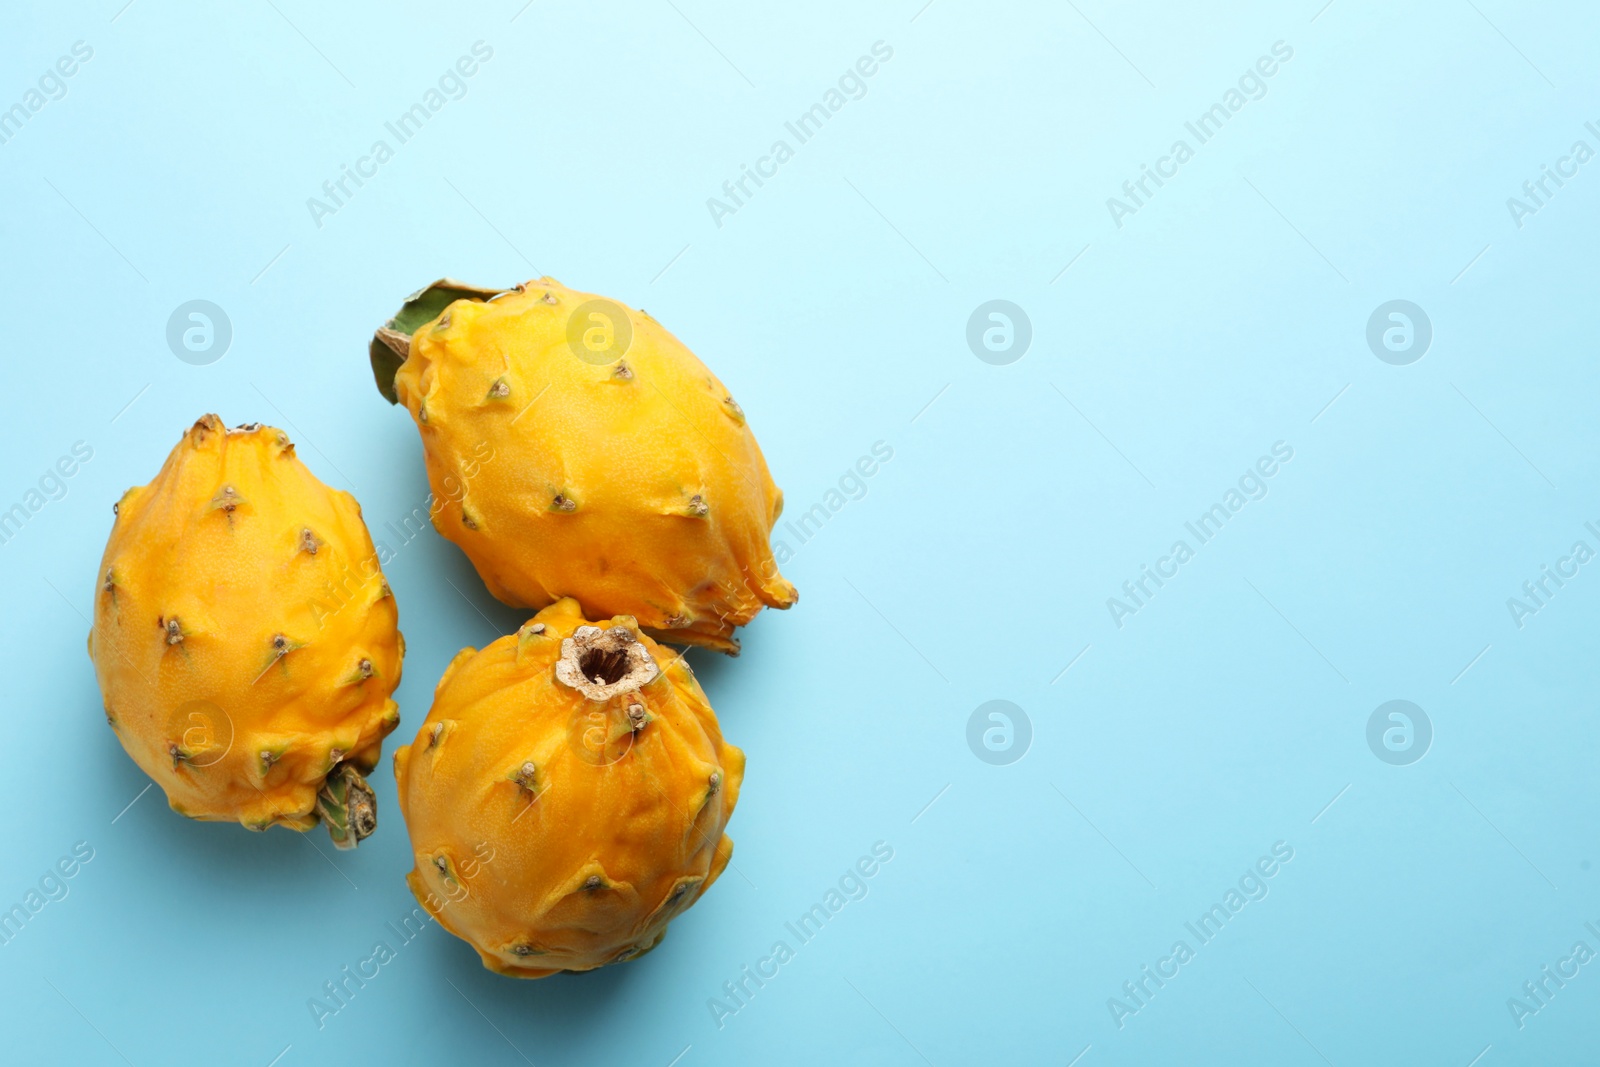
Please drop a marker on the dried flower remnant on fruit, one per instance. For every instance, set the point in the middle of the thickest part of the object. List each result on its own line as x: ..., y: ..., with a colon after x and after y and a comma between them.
x: 603, y: 664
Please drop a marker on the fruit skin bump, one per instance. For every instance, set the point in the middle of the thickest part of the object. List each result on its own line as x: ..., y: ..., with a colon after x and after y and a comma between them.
x: 584, y: 759
x: 623, y: 472
x: 244, y: 638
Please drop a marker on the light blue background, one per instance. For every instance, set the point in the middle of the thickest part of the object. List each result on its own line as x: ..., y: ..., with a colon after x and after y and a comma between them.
x: 1223, y: 317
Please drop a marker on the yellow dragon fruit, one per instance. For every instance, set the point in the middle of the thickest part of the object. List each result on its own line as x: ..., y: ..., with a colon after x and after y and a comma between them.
x: 567, y: 795
x: 620, y: 471
x: 244, y: 637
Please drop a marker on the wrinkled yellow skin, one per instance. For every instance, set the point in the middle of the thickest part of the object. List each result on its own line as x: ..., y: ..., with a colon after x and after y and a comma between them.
x: 635, y: 487
x: 583, y: 862
x: 230, y: 726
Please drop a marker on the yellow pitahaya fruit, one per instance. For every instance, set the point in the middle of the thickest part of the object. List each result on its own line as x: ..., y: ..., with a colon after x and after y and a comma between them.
x: 576, y: 448
x: 244, y: 637
x: 567, y: 795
